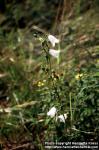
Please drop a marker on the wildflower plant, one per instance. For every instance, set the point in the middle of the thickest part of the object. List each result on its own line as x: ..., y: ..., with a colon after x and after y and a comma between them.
x: 54, y: 82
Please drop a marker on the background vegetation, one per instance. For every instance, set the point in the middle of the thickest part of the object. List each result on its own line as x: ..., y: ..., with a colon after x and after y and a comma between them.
x: 32, y: 81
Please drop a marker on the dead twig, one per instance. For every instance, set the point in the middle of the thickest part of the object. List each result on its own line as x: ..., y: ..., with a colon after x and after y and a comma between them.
x: 17, y: 107
x: 21, y: 146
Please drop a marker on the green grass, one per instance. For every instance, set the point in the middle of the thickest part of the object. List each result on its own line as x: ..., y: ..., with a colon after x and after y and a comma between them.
x: 34, y: 82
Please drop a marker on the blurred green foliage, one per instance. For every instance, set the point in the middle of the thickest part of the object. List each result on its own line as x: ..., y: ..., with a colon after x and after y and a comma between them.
x: 20, y: 14
x: 29, y: 74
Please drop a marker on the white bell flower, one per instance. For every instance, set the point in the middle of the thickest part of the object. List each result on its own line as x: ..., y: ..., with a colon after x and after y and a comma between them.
x: 62, y: 118
x: 53, y: 40
x: 52, y: 112
x: 54, y: 53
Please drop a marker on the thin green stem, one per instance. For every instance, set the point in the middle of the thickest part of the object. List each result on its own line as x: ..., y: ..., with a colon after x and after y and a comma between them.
x: 71, y: 115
